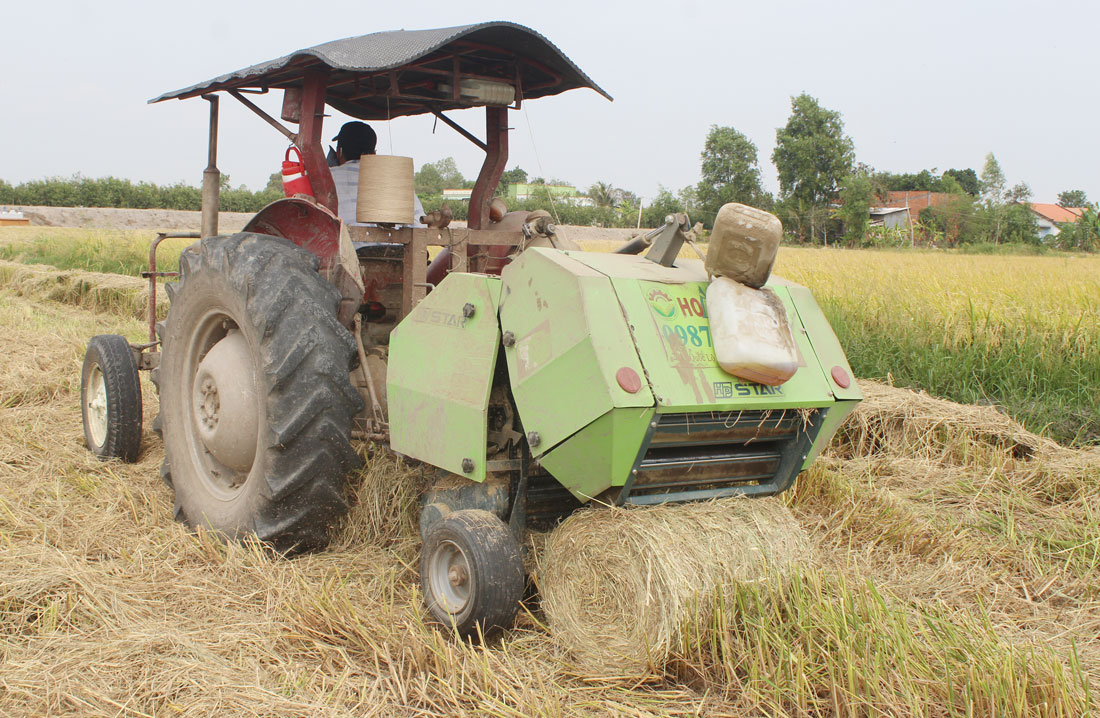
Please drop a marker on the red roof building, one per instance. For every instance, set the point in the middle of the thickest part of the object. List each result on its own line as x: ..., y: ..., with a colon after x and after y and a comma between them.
x: 1049, y: 216
x: 1056, y: 212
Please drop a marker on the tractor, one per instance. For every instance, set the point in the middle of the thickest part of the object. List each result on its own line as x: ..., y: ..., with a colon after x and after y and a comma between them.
x: 526, y: 377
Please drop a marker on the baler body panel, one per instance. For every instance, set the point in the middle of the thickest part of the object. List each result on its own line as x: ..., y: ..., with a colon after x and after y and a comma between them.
x: 573, y: 325
x: 602, y: 454
x: 834, y: 417
x: 570, y: 341
x: 440, y: 373
x: 823, y: 341
x: 709, y: 434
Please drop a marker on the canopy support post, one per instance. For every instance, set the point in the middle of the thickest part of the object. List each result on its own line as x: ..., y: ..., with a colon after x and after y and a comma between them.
x: 312, y: 116
x: 211, y: 177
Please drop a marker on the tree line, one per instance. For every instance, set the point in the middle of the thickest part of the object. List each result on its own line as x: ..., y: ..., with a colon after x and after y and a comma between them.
x: 824, y: 194
x: 80, y: 191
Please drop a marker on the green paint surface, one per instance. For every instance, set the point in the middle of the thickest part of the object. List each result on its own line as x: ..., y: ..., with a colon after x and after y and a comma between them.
x: 601, y: 454
x: 836, y: 415
x: 570, y: 342
x: 440, y: 372
x: 823, y: 342
x: 576, y: 321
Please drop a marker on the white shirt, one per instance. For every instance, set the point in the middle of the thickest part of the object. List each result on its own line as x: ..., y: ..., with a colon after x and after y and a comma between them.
x: 346, y: 178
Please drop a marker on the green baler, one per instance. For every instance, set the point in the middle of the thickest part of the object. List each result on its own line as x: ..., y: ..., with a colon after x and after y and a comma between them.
x: 611, y: 368
x: 578, y: 377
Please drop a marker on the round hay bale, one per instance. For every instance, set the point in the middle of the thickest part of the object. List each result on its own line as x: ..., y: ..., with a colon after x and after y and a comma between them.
x: 619, y: 586
x: 385, y: 189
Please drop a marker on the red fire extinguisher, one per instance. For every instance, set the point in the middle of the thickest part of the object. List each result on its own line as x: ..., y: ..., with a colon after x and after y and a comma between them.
x: 295, y: 180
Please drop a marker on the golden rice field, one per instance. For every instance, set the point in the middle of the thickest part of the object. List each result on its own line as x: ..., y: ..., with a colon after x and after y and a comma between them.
x: 953, y: 565
x: 1022, y: 332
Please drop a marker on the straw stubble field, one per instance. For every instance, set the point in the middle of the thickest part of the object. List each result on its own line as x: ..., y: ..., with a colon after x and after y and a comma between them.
x: 952, y: 569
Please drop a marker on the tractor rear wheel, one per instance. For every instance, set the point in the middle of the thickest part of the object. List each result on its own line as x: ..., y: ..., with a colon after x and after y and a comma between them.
x: 471, y: 572
x: 110, y: 399
x: 256, y: 400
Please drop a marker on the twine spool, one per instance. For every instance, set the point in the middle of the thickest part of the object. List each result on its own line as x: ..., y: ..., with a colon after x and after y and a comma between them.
x: 385, y: 190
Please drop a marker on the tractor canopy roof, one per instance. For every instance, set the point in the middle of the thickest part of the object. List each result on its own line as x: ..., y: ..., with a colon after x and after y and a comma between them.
x: 392, y: 74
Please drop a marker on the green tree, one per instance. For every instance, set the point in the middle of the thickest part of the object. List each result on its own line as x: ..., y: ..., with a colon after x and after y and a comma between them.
x: 434, y: 177
x: 959, y: 221
x: 927, y: 181
x: 689, y: 199
x: 1084, y: 234
x: 950, y: 185
x: 1020, y: 192
x: 1073, y: 198
x: 428, y: 181
x: 992, y: 180
x: 275, y: 183
x: 857, y: 194
x: 967, y: 179
x: 812, y: 155
x: 993, y: 192
x: 730, y: 173
x: 1018, y: 225
x: 602, y: 193
x: 662, y: 205
x: 513, y: 176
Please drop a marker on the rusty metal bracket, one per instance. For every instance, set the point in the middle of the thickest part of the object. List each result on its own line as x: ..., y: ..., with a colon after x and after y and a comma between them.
x: 376, y: 408
x: 151, y: 274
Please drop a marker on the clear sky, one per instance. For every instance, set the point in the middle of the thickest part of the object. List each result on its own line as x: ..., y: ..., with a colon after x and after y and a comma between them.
x: 919, y: 85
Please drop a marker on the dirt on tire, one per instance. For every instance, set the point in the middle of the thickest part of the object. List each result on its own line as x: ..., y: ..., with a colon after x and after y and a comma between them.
x: 269, y: 290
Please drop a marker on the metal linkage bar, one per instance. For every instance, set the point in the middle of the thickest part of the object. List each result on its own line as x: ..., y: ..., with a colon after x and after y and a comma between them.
x: 152, y: 274
x: 292, y: 136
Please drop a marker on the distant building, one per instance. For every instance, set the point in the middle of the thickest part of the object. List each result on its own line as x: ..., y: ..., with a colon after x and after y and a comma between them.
x: 457, y: 194
x: 917, y: 200
x: 1049, y: 216
x: 890, y: 217
x: 521, y: 192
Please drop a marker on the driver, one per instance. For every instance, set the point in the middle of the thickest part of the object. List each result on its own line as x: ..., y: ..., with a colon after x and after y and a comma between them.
x: 354, y: 140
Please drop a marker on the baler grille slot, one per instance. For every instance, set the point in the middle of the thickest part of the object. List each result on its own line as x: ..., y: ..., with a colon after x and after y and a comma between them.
x: 711, y: 454
x: 547, y: 500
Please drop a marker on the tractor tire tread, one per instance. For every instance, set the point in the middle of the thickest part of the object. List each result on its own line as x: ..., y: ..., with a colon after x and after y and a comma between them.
x: 306, y: 451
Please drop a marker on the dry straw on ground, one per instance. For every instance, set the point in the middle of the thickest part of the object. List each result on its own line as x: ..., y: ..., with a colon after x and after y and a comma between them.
x: 901, y: 421
x: 92, y: 290
x: 619, y: 585
x: 956, y: 575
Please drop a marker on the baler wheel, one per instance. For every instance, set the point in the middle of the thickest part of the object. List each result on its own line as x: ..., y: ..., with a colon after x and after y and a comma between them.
x: 471, y: 572
x: 110, y: 399
x: 255, y: 395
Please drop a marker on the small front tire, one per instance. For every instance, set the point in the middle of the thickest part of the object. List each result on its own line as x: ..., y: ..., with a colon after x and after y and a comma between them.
x: 471, y: 573
x: 110, y: 399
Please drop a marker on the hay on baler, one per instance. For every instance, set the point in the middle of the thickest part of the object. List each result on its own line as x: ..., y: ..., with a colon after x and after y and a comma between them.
x: 619, y: 586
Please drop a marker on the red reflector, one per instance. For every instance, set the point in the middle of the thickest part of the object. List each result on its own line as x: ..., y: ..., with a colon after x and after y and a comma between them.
x: 841, y: 378
x: 628, y: 379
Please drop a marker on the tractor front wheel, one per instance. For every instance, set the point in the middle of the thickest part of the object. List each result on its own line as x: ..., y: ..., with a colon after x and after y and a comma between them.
x: 110, y: 399
x: 256, y: 400
x: 471, y: 572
